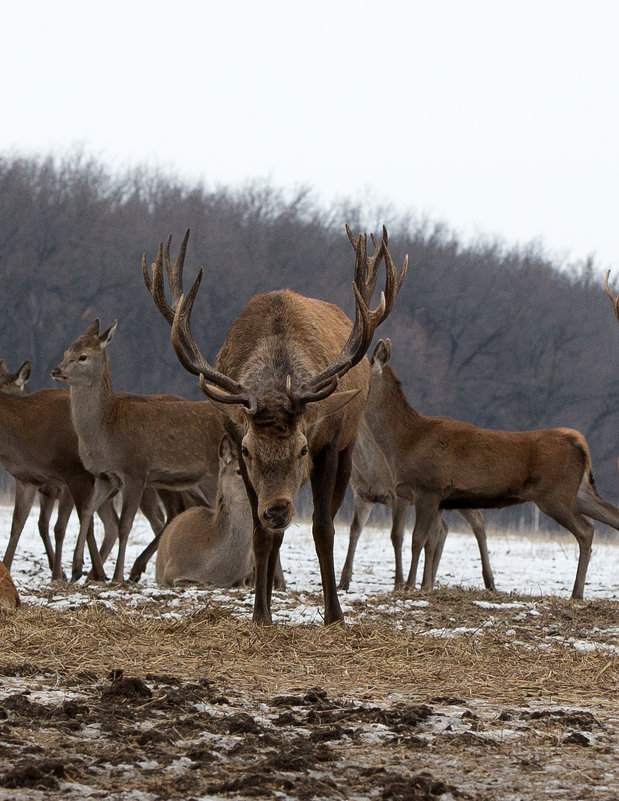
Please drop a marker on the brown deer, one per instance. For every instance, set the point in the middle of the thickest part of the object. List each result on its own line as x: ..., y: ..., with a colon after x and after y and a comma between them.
x: 275, y: 380
x: 211, y: 546
x: 65, y: 441
x: 132, y: 442
x: 441, y: 463
x: 9, y: 597
x: 372, y: 481
x: 38, y: 447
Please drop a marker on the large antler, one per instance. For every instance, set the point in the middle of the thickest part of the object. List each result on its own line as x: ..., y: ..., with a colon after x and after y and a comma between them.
x: 614, y: 299
x: 366, y: 321
x: 179, y: 316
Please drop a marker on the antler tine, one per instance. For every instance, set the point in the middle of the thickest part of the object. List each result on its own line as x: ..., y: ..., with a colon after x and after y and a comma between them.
x: 192, y: 360
x: 155, y: 284
x: 366, y: 321
x: 174, y: 270
x: 613, y: 298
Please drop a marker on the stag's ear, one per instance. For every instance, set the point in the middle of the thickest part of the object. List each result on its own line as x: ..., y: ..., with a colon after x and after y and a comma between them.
x: 226, y: 449
x: 106, y: 336
x: 23, y: 374
x: 333, y: 403
x: 382, y: 354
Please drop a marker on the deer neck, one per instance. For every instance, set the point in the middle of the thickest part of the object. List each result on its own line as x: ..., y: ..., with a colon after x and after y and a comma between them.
x: 233, y: 519
x: 394, y: 423
x: 93, y: 410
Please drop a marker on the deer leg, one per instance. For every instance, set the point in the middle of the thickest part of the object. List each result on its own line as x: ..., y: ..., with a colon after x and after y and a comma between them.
x: 24, y: 498
x: 46, y: 507
x: 279, y: 582
x: 329, y: 479
x: 426, y: 511
x: 103, y: 488
x: 399, y: 513
x: 107, y: 514
x: 438, y: 550
x: 131, y: 501
x: 65, y: 507
x: 583, y: 530
x: 433, y: 549
x: 589, y: 503
x: 361, y: 512
x: 475, y: 519
x: 151, y: 508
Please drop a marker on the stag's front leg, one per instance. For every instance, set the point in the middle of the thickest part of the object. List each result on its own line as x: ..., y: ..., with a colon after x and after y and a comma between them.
x: 266, y: 557
x: 330, y: 473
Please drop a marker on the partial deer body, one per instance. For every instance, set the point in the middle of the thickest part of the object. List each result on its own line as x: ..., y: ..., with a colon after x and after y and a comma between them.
x: 275, y: 380
x: 372, y: 481
x: 211, y: 546
x: 441, y: 463
x: 9, y: 597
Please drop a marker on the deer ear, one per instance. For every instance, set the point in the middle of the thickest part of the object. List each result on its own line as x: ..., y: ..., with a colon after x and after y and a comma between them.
x: 3, y: 367
x: 93, y: 329
x: 106, y: 336
x: 226, y: 449
x: 23, y: 374
x: 333, y: 403
x: 382, y: 354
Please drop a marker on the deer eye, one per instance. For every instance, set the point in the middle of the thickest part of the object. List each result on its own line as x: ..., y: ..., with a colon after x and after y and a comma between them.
x: 245, y: 452
x: 83, y: 357
x: 303, y: 451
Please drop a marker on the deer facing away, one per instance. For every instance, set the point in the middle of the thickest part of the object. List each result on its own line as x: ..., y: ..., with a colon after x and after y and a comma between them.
x: 372, y: 481
x: 211, y: 546
x: 275, y: 380
x: 441, y: 463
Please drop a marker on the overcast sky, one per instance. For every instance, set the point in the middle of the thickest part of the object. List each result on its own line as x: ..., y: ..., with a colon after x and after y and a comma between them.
x: 499, y: 118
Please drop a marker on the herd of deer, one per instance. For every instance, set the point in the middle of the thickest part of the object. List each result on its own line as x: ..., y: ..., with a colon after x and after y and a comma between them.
x: 291, y: 398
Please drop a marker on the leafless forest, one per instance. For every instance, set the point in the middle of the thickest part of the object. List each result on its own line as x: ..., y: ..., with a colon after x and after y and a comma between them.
x: 498, y: 337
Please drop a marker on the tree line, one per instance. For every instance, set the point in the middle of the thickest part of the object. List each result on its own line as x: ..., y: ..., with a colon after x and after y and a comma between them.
x: 500, y: 337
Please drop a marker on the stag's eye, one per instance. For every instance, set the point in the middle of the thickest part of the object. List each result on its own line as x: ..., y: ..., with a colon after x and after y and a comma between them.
x: 245, y: 452
x: 303, y: 451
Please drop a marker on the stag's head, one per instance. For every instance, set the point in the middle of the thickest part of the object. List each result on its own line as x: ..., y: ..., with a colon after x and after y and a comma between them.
x: 14, y: 383
x: 85, y: 362
x: 271, y: 410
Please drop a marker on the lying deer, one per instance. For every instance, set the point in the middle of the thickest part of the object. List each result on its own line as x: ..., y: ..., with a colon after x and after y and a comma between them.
x: 9, y: 597
x: 131, y: 442
x: 291, y: 379
x: 211, y: 546
x: 440, y: 463
x: 372, y: 481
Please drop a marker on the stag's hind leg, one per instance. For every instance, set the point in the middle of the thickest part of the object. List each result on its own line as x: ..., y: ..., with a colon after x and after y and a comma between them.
x: 583, y: 530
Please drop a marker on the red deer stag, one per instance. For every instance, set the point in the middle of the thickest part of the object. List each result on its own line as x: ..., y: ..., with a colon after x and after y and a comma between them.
x: 372, y: 481
x: 211, y: 546
x: 440, y: 463
x: 275, y: 380
x: 132, y: 442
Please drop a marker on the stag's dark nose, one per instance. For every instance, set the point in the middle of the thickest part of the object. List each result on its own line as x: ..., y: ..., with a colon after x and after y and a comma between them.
x: 279, y: 514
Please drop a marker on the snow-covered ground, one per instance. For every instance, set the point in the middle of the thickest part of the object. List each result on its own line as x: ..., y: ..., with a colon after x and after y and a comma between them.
x: 536, y: 566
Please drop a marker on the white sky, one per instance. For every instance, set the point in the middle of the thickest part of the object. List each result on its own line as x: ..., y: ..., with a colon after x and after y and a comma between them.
x: 498, y: 118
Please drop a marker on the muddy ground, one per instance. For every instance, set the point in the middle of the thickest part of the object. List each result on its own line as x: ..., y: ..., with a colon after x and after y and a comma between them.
x: 450, y: 695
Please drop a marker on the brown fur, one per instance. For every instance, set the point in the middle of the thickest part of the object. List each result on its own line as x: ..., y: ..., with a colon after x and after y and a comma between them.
x: 283, y: 411
x: 9, y: 597
x: 441, y: 463
x: 131, y: 442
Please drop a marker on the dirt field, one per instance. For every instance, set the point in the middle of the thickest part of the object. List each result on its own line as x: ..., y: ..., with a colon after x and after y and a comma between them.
x: 175, y: 695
